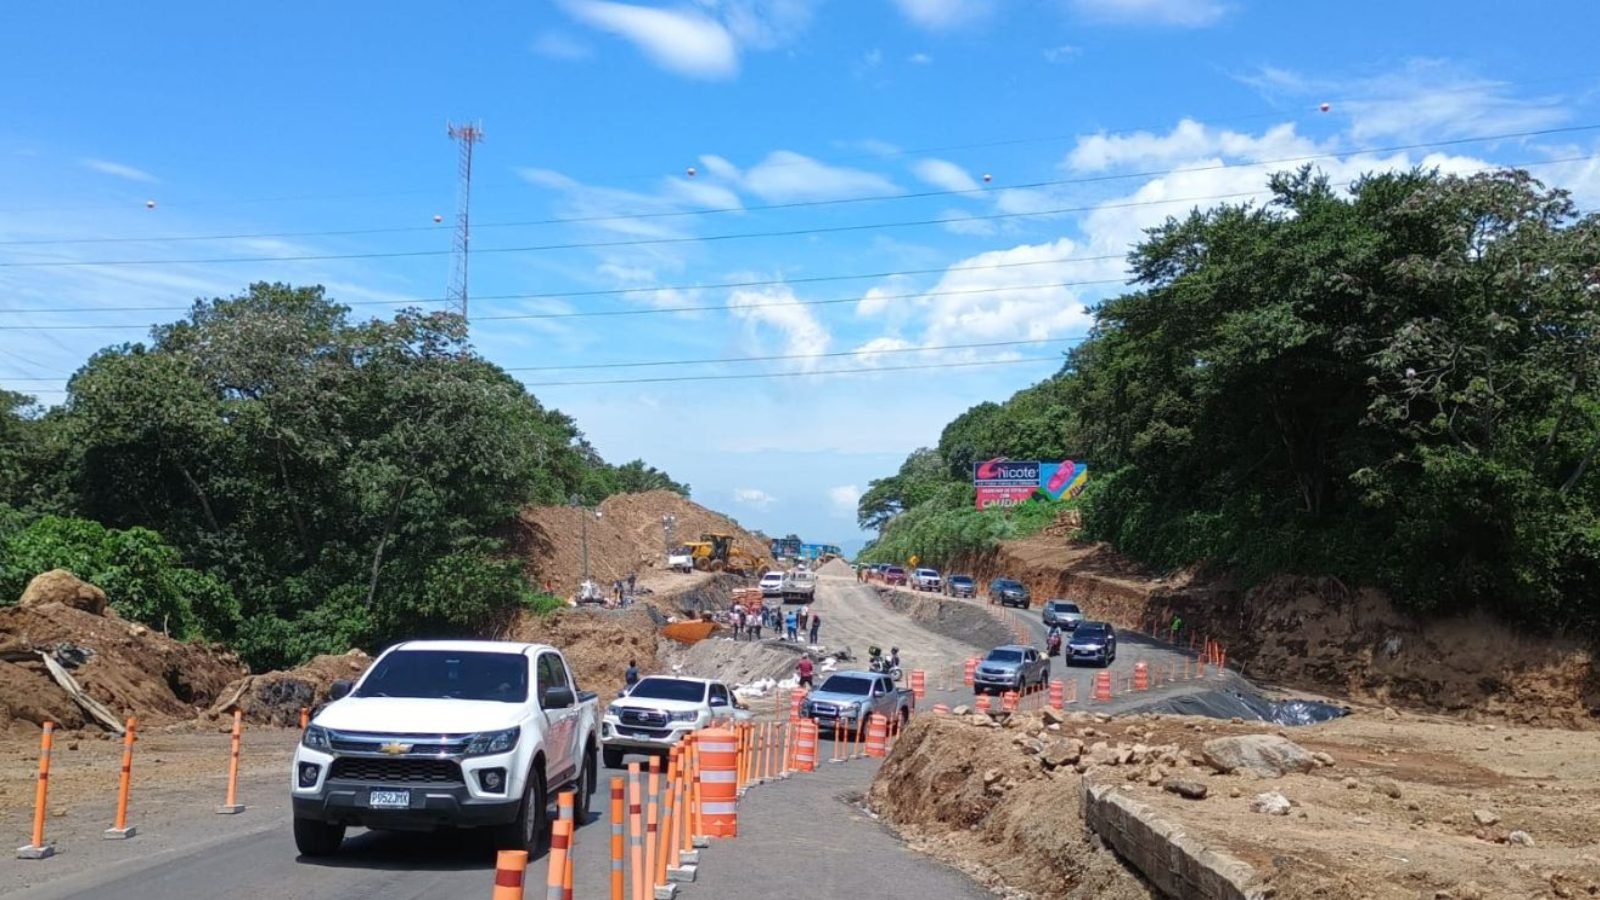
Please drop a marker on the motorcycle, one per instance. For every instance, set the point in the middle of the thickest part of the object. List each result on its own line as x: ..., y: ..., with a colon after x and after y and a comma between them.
x: 881, y: 665
x: 1053, y: 645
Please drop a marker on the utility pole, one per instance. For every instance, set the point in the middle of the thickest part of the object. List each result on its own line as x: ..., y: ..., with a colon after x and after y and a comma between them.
x: 465, y: 136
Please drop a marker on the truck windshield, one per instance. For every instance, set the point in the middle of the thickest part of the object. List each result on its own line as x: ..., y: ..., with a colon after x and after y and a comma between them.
x: 847, y: 684
x: 1005, y: 656
x: 449, y: 675
x: 669, y: 689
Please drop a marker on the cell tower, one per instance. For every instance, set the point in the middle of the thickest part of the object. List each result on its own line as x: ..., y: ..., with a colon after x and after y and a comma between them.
x: 466, y: 136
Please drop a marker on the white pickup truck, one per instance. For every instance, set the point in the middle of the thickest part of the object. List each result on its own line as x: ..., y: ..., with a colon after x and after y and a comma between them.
x: 658, y: 711
x: 447, y: 734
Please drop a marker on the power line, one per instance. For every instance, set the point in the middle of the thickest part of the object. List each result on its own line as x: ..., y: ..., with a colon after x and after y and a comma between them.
x: 859, y: 370
x: 791, y: 356
x: 806, y: 204
x: 659, y: 310
x: 611, y: 292
x: 890, y: 153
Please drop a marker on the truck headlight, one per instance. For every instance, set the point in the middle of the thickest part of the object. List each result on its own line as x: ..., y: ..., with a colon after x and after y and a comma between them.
x: 686, y: 716
x: 316, y: 738
x: 488, y: 742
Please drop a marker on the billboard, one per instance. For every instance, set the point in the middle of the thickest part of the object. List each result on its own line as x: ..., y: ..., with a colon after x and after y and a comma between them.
x: 1009, y: 482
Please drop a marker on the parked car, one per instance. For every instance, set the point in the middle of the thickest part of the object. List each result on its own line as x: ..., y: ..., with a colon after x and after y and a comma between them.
x: 961, y: 586
x: 446, y: 734
x: 848, y: 698
x: 894, y: 575
x: 658, y: 711
x: 1094, y: 642
x: 1014, y: 667
x: 772, y: 584
x: 926, y: 580
x: 1008, y: 592
x: 1064, y: 613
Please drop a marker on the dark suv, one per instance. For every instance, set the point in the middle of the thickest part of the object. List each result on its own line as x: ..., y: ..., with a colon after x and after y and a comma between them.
x: 1008, y: 592
x: 1094, y: 642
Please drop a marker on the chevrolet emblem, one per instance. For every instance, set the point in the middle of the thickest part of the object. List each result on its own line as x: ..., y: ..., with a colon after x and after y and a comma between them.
x: 395, y: 749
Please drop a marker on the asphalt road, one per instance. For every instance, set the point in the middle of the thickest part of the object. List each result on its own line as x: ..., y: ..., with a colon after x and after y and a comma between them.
x: 798, y: 839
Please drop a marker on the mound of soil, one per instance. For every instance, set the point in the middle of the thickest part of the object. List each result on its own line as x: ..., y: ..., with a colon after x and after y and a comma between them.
x: 981, y: 798
x: 735, y: 662
x: 129, y: 668
x: 626, y: 538
x: 956, y: 619
x: 1319, y: 635
x: 836, y: 568
x: 597, y: 643
x: 276, y: 698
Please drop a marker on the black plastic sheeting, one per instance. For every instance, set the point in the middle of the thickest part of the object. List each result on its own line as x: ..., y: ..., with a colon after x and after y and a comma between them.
x: 1250, y: 707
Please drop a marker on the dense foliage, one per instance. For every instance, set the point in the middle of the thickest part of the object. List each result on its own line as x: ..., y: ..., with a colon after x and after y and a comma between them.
x: 1397, y: 385
x: 341, y: 481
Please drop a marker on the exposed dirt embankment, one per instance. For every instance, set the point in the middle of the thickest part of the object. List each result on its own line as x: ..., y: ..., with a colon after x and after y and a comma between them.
x: 1317, y: 634
x: 598, y: 643
x: 954, y: 619
x: 977, y: 799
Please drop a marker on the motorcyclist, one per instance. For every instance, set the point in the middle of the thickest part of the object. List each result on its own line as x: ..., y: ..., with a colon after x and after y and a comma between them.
x: 894, y: 659
x: 1053, y: 641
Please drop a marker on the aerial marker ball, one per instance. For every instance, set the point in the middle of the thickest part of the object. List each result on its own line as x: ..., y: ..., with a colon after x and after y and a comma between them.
x: 691, y: 172
x: 987, y: 178
x: 1325, y: 107
x: 437, y: 219
x: 149, y: 204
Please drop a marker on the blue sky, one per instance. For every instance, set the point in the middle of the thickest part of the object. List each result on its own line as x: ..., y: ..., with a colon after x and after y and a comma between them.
x: 829, y: 129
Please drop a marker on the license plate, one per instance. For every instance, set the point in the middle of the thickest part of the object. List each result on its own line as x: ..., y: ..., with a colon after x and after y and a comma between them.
x: 390, y: 800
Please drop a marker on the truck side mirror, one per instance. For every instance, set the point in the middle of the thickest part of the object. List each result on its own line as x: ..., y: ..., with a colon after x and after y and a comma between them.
x: 557, y: 697
x: 340, y: 690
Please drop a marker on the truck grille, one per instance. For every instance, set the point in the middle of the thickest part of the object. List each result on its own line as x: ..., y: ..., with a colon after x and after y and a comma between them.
x: 396, y: 771
x: 644, y: 718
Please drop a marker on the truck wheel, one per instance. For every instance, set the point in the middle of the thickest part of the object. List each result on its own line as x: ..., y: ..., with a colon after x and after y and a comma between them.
x: 314, y: 838
x: 587, y: 779
x: 528, y: 827
x: 613, y: 758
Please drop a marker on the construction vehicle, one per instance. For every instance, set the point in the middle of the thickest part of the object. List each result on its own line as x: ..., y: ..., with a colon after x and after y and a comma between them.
x: 718, y: 553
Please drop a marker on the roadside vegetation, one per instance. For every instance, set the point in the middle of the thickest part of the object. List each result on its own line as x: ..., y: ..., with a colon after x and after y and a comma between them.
x: 270, y: 472
x: 1397, y: 384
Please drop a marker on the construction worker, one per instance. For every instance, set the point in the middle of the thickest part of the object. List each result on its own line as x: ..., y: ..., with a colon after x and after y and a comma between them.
x: 816, y: 626
x: 791, y: 626
x: 631, y: 677
x: 633, y: 580
x: 804, y: 670
x: 805, y: 617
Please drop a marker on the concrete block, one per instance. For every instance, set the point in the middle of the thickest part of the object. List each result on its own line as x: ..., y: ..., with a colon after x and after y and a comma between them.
x: 682, y: 874
x: 227, y: 809
x: 668, y: 891
x: 700, y: 840
x: 688, y: 857
x: 119, y: 834
x: 43, y: 851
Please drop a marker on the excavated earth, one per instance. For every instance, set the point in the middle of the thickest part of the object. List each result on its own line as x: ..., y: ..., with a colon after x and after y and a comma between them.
x: 1393, y: 806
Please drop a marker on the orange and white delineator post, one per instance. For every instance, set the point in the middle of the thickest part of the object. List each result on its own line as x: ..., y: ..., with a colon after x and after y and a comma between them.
x: 122, y: 830
x: 636, y: 833
x: 560, y: 843
x: 233, y: 806
x: 618, y: 879
x: 510, y: 868
x: 37, y: 848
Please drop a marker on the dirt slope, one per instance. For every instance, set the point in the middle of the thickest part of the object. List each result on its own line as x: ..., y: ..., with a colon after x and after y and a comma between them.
x: 626, y: 538
x: 1317, y: 634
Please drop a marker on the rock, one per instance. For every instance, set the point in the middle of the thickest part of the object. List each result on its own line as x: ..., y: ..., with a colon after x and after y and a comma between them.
x: 72, y: 746
x: 1387, y: 787
x: 991, y: 776
x: 1265, y: 755
x: 61, y: 586
x: 1051, y: 717
x: 1235, y: 793
x: 137, y: 630
x: 1189, y: 790
x: 1520, y: 838
x: 961, y: 711
x: 982, y: 721
x: 1061, y: 753
x: 1351, y: 784
x: 1236, y: 721
x: 1390, y: 714
x: 1322, y: 759
x: 1271, y: 803
x: 1484, y: 817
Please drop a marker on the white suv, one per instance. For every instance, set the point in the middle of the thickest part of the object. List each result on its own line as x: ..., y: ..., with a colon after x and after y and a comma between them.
x: 657, y: 712
x: 772, y: 584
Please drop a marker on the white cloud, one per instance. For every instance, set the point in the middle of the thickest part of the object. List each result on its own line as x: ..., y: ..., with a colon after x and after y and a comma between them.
x: 785, y: 176
x: 683, y: 41
x: 1423, y: 100
x: 557, y: 45
x: 920, y: 59
x: 1188, y: 141
x: 845, y: 498
x: 944, y: 175
x: 884, y: 351
x: 943, y: 14
x: 1062, y: 53
x: 753, y: 497
x: 772, y: 309
x: 970, y: 304
x: 119, y: 170
x: 1180, y: 13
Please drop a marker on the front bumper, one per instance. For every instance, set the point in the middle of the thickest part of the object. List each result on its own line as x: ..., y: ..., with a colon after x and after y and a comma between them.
x: 432, y: 807
x: 1075, y: 655
x: 984, y: 682
x: 614, y: 734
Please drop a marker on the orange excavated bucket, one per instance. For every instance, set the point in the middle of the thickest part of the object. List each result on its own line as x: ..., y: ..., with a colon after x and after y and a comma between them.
x: 689, y: 632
